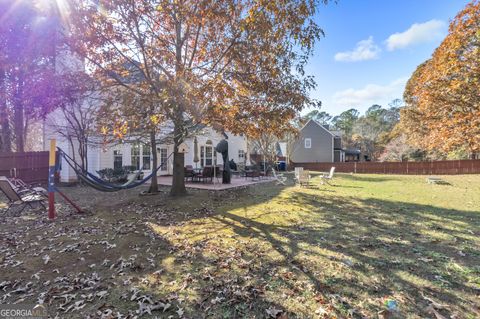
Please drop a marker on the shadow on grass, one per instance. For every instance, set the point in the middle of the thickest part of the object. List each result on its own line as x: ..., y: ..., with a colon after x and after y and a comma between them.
x: 221, y: 257
x: 379, y: 248
x: 364, y: 178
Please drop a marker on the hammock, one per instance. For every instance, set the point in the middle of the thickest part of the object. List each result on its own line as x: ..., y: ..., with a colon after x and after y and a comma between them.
x: 101, y: 185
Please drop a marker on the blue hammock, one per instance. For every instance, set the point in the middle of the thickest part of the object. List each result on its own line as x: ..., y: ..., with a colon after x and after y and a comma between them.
x: 99, y: 184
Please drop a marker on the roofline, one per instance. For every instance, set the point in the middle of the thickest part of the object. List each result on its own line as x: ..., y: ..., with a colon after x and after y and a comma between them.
x: 312, y: 120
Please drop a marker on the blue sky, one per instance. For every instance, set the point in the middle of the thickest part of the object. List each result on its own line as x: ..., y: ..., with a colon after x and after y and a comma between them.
x: 371, y: 48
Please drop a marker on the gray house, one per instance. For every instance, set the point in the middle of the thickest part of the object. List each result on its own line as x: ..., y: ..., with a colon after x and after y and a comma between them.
x: 316, y: 143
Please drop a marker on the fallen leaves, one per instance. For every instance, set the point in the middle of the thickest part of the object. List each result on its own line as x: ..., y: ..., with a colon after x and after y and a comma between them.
x: 434, y: 307
x: 273, y: 312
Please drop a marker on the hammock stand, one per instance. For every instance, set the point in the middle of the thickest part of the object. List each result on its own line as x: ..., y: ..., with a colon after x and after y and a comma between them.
x: 86, y: 177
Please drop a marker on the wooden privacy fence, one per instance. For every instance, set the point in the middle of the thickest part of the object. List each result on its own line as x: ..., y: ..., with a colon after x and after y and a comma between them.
x: 31, y: 167
x: 413, y: 168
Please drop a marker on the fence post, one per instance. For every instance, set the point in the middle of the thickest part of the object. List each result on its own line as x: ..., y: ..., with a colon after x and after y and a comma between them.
x: 355, y: 167
x: 51, y: 180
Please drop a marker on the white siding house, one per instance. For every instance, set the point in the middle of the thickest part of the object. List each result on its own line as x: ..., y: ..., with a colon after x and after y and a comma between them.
x: 134, y: 153
x: 139, y: 154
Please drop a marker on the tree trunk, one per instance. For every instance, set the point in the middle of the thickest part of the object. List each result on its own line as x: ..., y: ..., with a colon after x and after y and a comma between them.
x: 18, y: 117
x: 82, y: 153
x: 18, y: 124
x: 85, y: 152
x: 178, y: 178
x: 153, y: 144
x: 6, y: 134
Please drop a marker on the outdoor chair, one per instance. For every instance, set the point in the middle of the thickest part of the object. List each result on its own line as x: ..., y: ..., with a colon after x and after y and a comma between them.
x: 279, y: 177
x: 252, y: 172
x: 218, y: 172
x: 189, y: 173
x: 205, y: 174
x: 298, y: 172
x: 21, y: 199
x: 304, y: 178
x: 265, y: 173
x: 327, y: 178
x: 242, y: 169
x: 21, y: 187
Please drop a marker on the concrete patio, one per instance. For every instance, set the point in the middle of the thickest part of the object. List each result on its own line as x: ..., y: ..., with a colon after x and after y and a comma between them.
x: 217, y: 186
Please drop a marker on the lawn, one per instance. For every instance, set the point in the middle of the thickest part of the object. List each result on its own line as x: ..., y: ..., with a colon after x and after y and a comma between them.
x: 267, y: 251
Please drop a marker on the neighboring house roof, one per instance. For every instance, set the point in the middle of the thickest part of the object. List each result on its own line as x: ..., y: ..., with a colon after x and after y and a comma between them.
x: 337, y: 133
x: 319, y: 125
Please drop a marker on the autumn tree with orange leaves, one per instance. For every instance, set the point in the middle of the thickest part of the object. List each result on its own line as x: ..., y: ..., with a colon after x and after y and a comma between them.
x: 443, y: 94
x: 222, y: 63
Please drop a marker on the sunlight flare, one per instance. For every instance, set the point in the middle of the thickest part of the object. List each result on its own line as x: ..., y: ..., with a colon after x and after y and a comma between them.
x: 59, y: 8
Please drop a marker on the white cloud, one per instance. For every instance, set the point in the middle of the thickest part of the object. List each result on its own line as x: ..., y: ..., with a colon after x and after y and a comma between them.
x: 364, y: 50
x: 417, y: 33
x: 370, y: 94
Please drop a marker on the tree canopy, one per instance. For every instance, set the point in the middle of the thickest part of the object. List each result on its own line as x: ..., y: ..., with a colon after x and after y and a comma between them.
x: 30, y: 86
x: 223, y: 63
x: 442, y: 96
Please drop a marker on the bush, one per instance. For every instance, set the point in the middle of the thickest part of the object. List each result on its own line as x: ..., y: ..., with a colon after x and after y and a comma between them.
x: 113, y: 175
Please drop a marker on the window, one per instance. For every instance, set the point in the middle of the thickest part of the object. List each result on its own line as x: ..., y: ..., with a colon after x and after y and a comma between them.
x: 141, y: 156
x: 117, y: 159
x: 135, y: 152
x: 308, y: 143
x: 241, y: 155
x: 206, y: 155
x: 163, y: 159
x: 146, y: 151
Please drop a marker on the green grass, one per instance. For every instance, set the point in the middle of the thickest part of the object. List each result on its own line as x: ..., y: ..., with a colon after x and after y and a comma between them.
x: 319, y: 252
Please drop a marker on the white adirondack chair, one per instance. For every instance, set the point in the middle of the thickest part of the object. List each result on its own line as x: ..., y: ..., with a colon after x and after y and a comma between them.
x: 327, y: 178
x: 298, y: 172
x: 304, y: 178
x: 279, y: 177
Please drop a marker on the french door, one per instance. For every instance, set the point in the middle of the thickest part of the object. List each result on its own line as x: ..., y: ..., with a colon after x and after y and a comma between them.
x: 141, y: 157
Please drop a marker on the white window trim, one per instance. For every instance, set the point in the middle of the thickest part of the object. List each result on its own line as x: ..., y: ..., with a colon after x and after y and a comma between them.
x: 309, y: 140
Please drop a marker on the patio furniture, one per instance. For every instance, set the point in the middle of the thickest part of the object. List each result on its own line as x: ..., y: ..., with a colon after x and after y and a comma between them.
x: 20, y: 186
x: 304, y: 178
x: 19, y: 198
x: 218, y: 172
x: 189, y: 172
x: 265, y: 173
x: 205, y: 174
x: 252, y: 172
x: 241, y: 170
x: 279, y: 177
x: 327, y: 178
x: 298, y: 172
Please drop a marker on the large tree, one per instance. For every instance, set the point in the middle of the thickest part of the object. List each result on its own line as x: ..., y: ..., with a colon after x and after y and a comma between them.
x: 442, y: 96
x: 30, y: 86
x: 372, y: 131
x: 224, y: 63
x: 346, y: 120
x: 321, y: 117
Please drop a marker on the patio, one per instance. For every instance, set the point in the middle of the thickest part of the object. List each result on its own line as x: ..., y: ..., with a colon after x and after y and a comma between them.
x: 217, y: 186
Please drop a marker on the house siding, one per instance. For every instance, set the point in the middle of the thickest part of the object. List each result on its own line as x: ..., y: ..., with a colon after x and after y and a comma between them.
x: 321, y: 147
x: 100, y: 157
x: 235, y: 143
